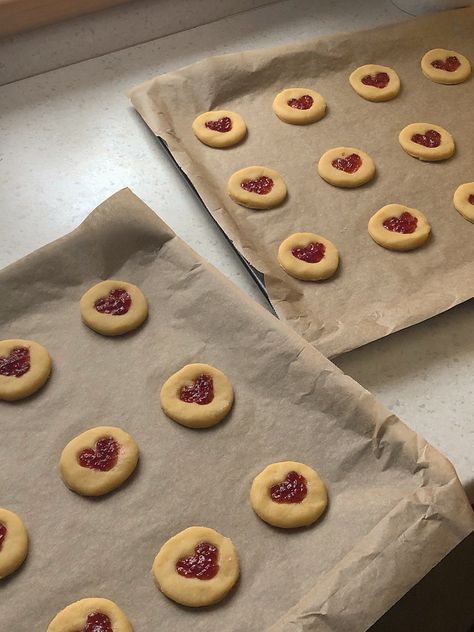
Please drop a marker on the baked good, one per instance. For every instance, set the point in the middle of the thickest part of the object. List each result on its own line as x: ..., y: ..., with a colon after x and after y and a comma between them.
x: 98, y: 460
x: 197, y: 567
x: 197, y: 396
x: 25, y: 366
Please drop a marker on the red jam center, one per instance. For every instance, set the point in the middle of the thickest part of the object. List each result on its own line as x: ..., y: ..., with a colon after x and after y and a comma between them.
x: 202, y: 565
x: 430, y: 139
x: 262, y: 185
x: 312, y: 253
x: 117, y: 303
x: 200, y: 392
x: 379, y: 80
x: 97, y: 622
x: 223, y: 124
x: 303, y: 103
x: 450, y: 64
x: 3, y: 534
x: 103, y: 458
x: 470, y: 199
x: 349, y: 164
x: 17, y: 363
x: 405, y: 224
x: 292, y: 490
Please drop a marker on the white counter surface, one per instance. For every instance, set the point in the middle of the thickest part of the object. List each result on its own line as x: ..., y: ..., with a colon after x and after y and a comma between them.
x: 69, y: 139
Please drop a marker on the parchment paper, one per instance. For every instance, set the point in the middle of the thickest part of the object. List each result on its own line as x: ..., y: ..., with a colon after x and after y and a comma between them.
x: 376, y: 291
x: 396, y: 505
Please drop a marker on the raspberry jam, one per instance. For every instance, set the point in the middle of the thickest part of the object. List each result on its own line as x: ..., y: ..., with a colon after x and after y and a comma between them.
x: 117, y: 303
x: 3, y: 534
x: 350, y: 164
x: 302, y: 103
x: 450, y: 64
x: 200, y: 392
x: 97, y: 622
x: 292, y: 490
x: 470, y: 199
x: 202, y: 565
x: 405, y: 224
x: 223, y: 124
x: 312, y: 253
x: 17, y: 363
x: 103, y: 458
x: 430, y: 139
x: 379, y: 80
x: 261, y: 185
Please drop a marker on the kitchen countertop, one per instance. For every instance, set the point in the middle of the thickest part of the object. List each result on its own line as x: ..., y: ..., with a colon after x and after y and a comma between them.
x: 70, y: 139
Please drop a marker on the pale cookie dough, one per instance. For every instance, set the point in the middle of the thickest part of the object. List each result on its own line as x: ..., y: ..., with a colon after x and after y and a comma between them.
x: 306, y: 270
x: 444, y: 150
x: 13, y: 542
x: 93, y: 481
x: 224, y: 128
x: 375, y: 83
x: 464, y: 200
x: 193, y: 380
x: 299, y: 106
x: 24, y: 368
x: 338, y: 177
x: 447, y: 75
x: 85, y: 613
x: 288, y: 515
x: 191, y: 590
x: 268, y: 181
x: 110, y: 324
x: 392, y: 239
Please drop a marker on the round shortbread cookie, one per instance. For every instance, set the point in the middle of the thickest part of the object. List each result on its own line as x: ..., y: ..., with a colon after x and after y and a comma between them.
x: 89, y: 615
x: 197, y: 396
x: 399, y: 227
x: 445, y: 66
x: 299, y: 106
x: 375, y: 83
x: 308, y: 256
x: 464, y: 200
x: 257, y: 187
x: 24, y: 368
x: 427, y: 141
x: 346, y: 167
x: 13, y: 542
x: 197, y: 567
x: 113, y: 308
x: 98, y: 460
x: 219, y: 128
x: 288, y: 495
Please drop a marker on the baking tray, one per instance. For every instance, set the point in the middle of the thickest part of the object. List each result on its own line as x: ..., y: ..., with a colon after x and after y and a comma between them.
x: 401, y: 498
x: 376, y: 291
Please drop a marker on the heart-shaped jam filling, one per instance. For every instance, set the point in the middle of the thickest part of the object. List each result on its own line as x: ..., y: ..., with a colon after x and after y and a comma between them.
x: 103, y: 458
x: 223, y: 124
x: 117, y: 303
x: 97, y: 622
x: 450, y: 64
x: 292, y: 490
x: 17, y: 363
x: 3, y: 534
x: 302, y: 103
x: 405, y: 224
x: 430, y: 138
x: 470, y: 199
x: 312, y: 253
x: 379, y: 80
x: 261, y: 185
x: 201, y: 391
x: 350, y: 164
x: 202, y: 565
